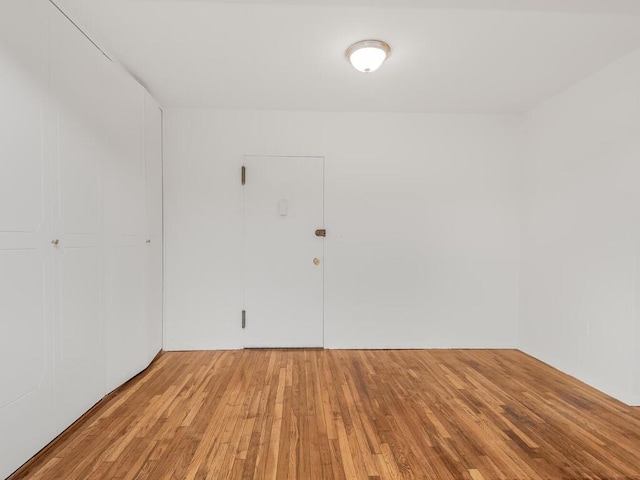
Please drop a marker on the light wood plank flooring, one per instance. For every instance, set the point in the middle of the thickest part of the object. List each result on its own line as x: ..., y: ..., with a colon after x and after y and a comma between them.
x: 328, y: 414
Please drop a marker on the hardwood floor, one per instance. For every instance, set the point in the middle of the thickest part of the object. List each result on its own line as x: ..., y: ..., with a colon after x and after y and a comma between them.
x: 329, y: 414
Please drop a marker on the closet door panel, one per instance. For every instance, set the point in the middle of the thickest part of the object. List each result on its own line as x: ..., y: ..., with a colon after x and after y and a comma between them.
x: 80, y: 325
x: 124, y: 194
x: 23, y: 66
x: 153, y: 162
x: 26, y: 355
x: 78, y: 178
x: 23, y: 359
x: 124, y: 228
x: 153, y: 165
x: 126, y: 333
x: 80, y: 355
x: 26, y: 331
x: 82, y: 140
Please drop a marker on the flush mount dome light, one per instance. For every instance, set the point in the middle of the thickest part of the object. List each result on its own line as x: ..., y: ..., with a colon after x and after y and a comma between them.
x: 367, y: 56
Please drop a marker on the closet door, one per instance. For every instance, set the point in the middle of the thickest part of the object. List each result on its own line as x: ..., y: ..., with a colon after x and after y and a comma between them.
x: 26, y: 351
x: 82, y: 143
x: 124, y: 231
x: 153, y: 157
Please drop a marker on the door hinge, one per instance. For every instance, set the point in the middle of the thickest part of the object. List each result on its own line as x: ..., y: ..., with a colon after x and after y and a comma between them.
x: 244, y: 175
x: 244, y: 318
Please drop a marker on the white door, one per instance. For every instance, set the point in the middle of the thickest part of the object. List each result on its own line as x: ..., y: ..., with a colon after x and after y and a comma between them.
x: 153, y: 180
x: 283, y: 261
x: 123, y: 188
x: 76, y: 76
x: 26, y: 335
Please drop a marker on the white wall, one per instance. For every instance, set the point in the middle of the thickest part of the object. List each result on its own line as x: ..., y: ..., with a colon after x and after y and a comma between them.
x: 422, y: 213
x: 80, y: 163
x: 580, y: 282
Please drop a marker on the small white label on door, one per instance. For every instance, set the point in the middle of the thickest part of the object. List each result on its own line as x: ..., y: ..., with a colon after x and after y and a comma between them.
x: 283, y: 207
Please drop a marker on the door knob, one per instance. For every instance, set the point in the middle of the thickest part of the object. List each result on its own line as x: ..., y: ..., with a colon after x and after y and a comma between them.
x: 149, y: 241
x: 55, y: 242
x: 316, y: 261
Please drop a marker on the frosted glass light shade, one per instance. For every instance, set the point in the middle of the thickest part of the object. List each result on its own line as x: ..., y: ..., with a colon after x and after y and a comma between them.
x: 368, y: 55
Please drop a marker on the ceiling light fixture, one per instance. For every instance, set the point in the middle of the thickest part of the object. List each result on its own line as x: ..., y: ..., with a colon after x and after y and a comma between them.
x: 367, y: 56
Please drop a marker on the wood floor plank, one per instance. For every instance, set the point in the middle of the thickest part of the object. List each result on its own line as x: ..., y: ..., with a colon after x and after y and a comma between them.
x: 325, y: 414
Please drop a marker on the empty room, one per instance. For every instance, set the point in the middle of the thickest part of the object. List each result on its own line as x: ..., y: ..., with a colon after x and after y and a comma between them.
x: 320, y: 239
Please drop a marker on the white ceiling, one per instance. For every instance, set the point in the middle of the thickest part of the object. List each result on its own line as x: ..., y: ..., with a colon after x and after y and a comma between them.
x: 474, y: 56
